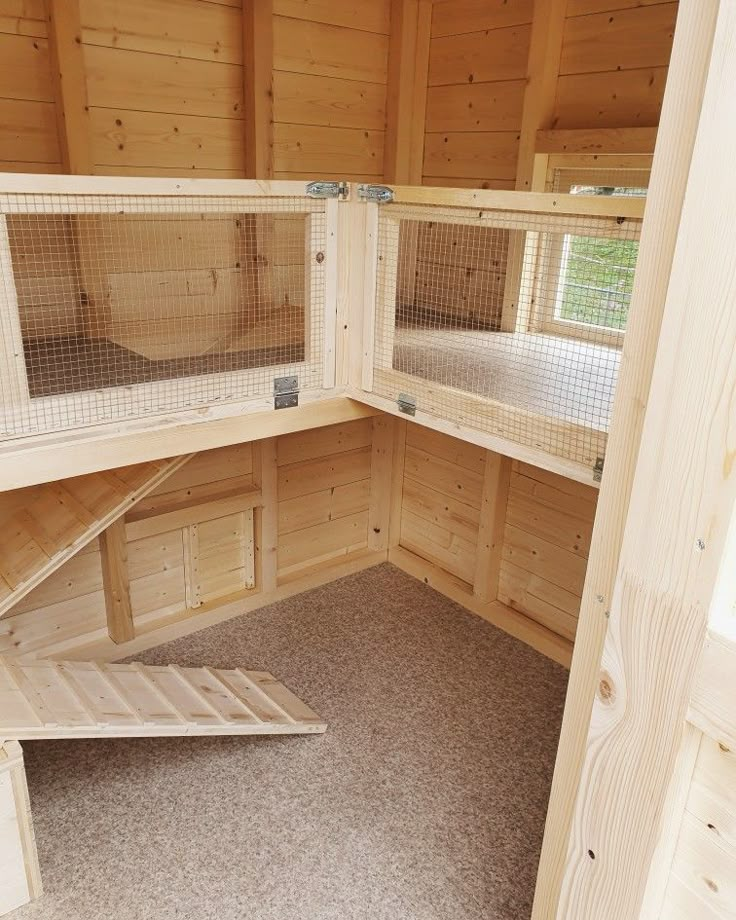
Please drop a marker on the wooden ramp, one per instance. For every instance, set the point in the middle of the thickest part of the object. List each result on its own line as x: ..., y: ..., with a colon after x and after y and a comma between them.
x: 43, y: 526
x: 83, y: 699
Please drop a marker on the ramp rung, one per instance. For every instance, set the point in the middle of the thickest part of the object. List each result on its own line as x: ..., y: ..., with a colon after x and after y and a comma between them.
x: 83, y: 699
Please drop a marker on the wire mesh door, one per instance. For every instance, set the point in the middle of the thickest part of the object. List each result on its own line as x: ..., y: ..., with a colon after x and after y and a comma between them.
x: 125, y: 306
x: 504, y: 320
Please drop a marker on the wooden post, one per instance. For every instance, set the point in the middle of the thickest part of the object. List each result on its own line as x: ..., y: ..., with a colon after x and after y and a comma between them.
x: 397, y: 483
x: 116, y: 582
x: 683, y: 503
x: 406, y: 101
x: 379, y: 509
x: 70, y: 86
x: 258, y: 87
x: 265, y: 476
x: 681, y: 110
x: 496, y: 479
x: 19, y: 869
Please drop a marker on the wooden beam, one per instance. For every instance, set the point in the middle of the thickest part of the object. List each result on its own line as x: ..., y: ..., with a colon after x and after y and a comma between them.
x: 713, y: 700
x: 265, y: 478
x: 683, y: 504
x: 116, y: 582
x: 678, y: 126
x: 258, y: 87
x: 496, y: 480
x: 545, y: 49
x: 379, y: 509
x: 406, y: 101
x: 597, y: 140
x: 70, y: 86
x: 397, y: 481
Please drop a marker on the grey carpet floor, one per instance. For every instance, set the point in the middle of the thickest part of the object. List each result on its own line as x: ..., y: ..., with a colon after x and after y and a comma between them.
x: 425, y: 799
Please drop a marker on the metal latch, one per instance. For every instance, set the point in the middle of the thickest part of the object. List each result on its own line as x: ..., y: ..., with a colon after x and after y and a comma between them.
x: 381, y: 194
x: 285, y: 392
x: 407, y: 404
x: 598, y: 469
x: 327, y: 190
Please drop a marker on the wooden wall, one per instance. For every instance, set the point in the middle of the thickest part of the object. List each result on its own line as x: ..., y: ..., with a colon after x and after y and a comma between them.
x: 28, y: 136
x: 547, y: 526
x: 329, y: 88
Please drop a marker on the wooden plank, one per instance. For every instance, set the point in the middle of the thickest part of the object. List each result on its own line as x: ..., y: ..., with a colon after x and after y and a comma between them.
x: 368, y: 17
x: 70, y: 85
x: 472, y: 154
x: 437, y: 508
x: 126, y: 138
x: 619, y: 39
x: 552, y: 606
x: 569, y: 531
x: 406, y: 98
x: 266, y: 477
x: 318, y: 507
x: 456, y: 17
x: 158, y: 83
x: 19, y: 860
x: 116, y: 583
x: 199, y: 31
x: 712, y: 699
x: 324, y: 442
x: 456, y: 482
x: 680, y: 115
x: 28, y: 133
x: 475, y: 106
x: 675, y: 535
x: 303, y: 546
x: 258, y: 64
x: 329, y: 51
x: 147, y: 526
x: 480, y: 57
x: 379, y: 511
x: 308, y: 99
x: 494, y: 497
x: 296, y: 479
x: 545, y: 559
x: 25, y: 68
x: 446, y: 549
x: 597, y: 140
x: 613, y: 99
x: 307, y: 149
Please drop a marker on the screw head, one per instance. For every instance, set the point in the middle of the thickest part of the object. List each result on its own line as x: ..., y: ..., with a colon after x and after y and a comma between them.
x: 700, y: 544
x: 599, y: 598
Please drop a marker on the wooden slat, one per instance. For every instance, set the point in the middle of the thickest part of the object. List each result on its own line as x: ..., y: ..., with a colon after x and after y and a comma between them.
x: 354, y: 14
x: 472, y: 154
x: 456, y: 17
x: 309, y: 99
x: 24, y: 68
x: 116, y: 582
x: 305, y: 149
x: 475, y: 107
x: 479, y: 57
x: 597, y: 140
x: 613, y: 99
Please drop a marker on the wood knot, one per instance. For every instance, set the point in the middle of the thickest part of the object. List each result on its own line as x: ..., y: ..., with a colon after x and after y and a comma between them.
x: 606, y: 689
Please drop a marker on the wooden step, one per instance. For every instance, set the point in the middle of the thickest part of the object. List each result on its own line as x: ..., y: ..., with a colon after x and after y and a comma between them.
x: 84, y: 699
x: 58, y: 519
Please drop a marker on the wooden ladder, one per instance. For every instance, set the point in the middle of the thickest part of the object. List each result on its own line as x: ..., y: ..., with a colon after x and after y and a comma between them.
x: 58, y: 519
x: 84, y: 699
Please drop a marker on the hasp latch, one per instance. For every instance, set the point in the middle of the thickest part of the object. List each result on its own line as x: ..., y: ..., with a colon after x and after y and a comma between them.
x: 325, y: 189
x: 285, y: 392
x: 381, y: 194
x: 598, y: 469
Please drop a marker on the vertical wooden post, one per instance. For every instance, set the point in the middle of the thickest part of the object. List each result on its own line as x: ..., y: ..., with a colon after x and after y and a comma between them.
x: 379, y: 508
x: 116, y: 582
x: 19, y: 869
x: 397, y: 483
x: 258, y: 87
x: 681, y: 111
x: 406, y: 102
x: 494, y: 498
x: 265, y: 476
x: 70, y: 86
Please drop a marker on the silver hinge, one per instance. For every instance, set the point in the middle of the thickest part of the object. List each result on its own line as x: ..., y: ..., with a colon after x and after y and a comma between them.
x: 407, y: 404
x: 381, y: 194
x: 285, y: 392
x: 598, y: 469
x: 327, y: 190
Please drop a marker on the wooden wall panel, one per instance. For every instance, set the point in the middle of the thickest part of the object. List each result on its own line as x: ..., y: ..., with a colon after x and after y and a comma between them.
x: 477, y: 74
x: 614, y: 64
x: 28, y: 136
x: 330, y: 76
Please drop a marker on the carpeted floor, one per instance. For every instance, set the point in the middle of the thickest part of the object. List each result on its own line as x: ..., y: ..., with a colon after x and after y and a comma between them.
x: 425, y: 800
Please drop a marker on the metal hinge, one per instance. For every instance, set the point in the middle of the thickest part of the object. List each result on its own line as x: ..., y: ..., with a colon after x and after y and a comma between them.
x: 407, y: 404
x: 598, y: 469
x: 327, y: 190
x: 285, y: 392
x: 381, y: 194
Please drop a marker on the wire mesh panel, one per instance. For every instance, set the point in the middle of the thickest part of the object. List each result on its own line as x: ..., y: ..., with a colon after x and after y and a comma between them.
x: 122, y: 307
x: 507, y: 322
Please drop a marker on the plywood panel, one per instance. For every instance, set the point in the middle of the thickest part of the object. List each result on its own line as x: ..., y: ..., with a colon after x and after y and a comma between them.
x: 159, y: 83
x: 307, y: 99
x: 331, y: 51
x: 475, y: 107
x: 182, y: 28
x: 479, y: 57
x: 127, y: 138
